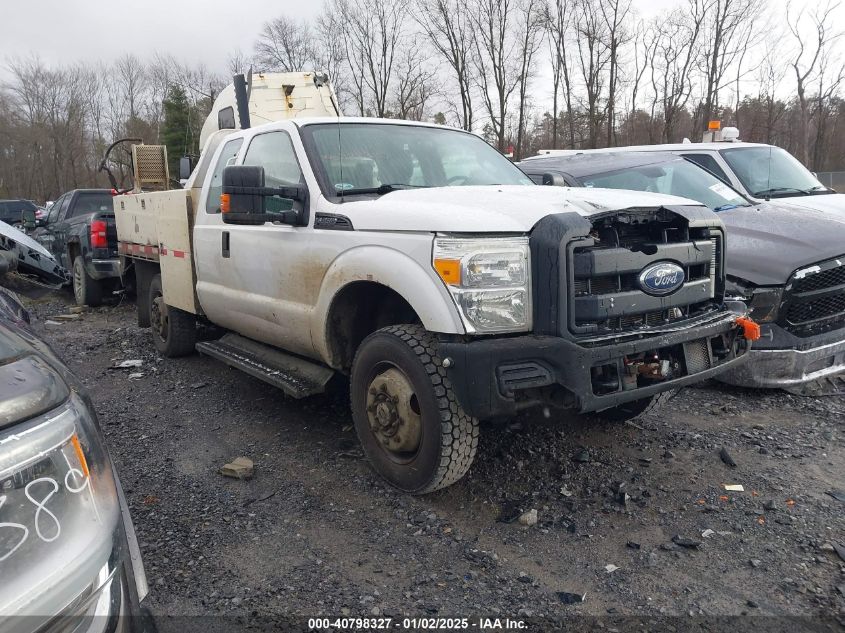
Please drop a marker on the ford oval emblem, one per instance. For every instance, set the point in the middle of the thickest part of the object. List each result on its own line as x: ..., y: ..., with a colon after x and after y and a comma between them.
x: 661, y: 278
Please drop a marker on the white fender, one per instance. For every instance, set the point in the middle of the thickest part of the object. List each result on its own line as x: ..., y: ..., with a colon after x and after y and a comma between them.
x: 419, y: 286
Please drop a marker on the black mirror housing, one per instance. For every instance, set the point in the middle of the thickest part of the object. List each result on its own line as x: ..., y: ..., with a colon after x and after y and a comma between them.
x: 244, y: 195
x: 186, y: 167
x: 28, y: 219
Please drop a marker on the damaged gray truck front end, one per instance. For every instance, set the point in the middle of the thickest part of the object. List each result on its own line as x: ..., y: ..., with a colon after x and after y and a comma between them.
x: 788, y: 265
x: 802, y: 344
x: 606, y: 338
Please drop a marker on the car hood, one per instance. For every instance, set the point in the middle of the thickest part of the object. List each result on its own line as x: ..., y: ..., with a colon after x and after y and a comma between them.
x: 766, y: 243
x: 828, y: 203
x: 491, y: 209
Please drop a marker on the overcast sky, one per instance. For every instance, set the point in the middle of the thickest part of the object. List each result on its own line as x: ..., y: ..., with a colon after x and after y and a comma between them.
x: 65, y: 31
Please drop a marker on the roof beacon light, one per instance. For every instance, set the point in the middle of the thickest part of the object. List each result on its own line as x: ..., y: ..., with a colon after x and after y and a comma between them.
x: 714, y: 126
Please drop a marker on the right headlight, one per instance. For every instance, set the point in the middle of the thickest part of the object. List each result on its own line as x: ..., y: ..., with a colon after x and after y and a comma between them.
x: 489, y: 279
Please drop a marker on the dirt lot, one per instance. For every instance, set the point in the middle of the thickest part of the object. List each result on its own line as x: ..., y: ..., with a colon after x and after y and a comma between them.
x: 635, y: 517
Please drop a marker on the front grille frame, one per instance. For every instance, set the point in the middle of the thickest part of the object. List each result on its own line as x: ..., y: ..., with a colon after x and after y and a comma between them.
x: 814, y: 299
x: 698, y: 248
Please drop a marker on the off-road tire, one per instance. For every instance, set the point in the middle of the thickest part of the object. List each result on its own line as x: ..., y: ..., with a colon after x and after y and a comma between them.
x: 87, y: 291
x: 449, y: 437
x: 636, y: 408
x: 178, y: 335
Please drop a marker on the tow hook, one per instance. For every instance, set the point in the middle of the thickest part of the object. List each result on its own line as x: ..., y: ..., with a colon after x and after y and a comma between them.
x: 750, y: 329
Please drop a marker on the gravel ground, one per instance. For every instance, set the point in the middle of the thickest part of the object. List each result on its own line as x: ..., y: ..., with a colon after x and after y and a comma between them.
x: 635, y: 516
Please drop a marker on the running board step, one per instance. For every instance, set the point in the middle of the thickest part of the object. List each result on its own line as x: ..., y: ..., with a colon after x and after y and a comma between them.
x: 295, y: 376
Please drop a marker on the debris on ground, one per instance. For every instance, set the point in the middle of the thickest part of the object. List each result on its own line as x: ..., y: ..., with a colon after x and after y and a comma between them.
x: 571, y: 598
x: 726, y: 457
x: 582, y: 456
x: 839, y: 495
x: 529, y: 518
x: 239, y: 468
x: 136, y: 376
x: 683, y: 541
x: 129, y: 364
x: 707, y: 533
x: 734, y: 488
x: 610, y: 568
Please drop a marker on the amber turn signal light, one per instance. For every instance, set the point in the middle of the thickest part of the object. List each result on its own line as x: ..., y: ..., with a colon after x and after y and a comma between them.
x: 224, y: 203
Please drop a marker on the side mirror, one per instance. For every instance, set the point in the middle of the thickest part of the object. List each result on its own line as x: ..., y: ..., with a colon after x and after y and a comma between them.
x: 243, y: 200
x: 555, y: 180
x: 28, y: 219
x: 186, y: 167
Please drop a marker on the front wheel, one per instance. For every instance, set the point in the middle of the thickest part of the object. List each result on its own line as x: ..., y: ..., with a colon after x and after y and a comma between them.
x: 174, y: 330
x: 410, y: 424
x: 87, y: 291
x: 637, y: 408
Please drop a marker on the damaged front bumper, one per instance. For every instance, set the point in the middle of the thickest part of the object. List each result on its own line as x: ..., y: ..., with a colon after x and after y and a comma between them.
x: 498, y: 376
x: 780, y: 360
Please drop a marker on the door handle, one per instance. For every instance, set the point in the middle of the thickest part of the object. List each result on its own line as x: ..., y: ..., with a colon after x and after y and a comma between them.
x: 224, y: 246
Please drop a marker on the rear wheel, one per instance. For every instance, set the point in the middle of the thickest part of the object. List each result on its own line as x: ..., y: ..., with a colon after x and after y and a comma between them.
x: 174, y: 330
x: 87, y: 291
x: 410, y: 424
x: 637, y: 408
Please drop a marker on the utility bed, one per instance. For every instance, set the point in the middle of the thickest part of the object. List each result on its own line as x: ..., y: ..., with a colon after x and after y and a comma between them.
x: 157, y: 227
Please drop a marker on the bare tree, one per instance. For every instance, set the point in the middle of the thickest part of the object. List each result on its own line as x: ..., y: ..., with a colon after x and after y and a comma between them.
x: 371, y: 33
x: 507, y: 37
x: 727, y: 32
x: 285, y: 45
x: 447, y: 25
x: 678, y: 37
x: 415, y: 85
x: 593, y: 60
x: 615, y: 13
x: 805, y: 62
x: 558, y: 20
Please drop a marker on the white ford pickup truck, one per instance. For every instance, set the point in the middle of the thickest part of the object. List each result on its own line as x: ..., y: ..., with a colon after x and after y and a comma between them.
x: 423, y: 265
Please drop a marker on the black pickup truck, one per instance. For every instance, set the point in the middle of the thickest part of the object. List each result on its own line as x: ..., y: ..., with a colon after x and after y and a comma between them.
x: 79, y: 231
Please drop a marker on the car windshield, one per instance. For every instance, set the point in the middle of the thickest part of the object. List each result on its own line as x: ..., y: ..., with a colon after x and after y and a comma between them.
x: 771, y: 172
x: 368, y: 158
x: 677, y: 177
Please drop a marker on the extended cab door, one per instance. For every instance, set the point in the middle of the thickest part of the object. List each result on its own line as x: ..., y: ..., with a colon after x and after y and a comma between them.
x: 255, y: 280
x: 48, y: 235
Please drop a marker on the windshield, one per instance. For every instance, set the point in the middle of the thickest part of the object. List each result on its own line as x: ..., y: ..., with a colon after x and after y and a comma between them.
x: 355, y: 158
x: 677, y: 178
x: 771, y: 171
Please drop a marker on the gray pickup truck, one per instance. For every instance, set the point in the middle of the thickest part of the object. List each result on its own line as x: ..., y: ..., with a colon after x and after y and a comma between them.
x: 787, y: 263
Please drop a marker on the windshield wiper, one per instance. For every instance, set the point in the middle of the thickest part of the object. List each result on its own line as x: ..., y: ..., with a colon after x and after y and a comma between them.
x: 726, y: 207
x: 380, y: 190
x: 767, y: 192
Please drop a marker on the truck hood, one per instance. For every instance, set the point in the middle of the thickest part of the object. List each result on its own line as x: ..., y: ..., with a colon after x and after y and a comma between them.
x: 829, y: 202
x: 490, y: 209
x: 768, y: 242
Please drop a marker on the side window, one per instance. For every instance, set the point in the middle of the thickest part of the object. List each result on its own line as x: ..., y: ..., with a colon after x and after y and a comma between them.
x: 215, y: 187
x: 275, y: 153
x: 53, y: 216
x: 709, y: 163
x: 63, y: 212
